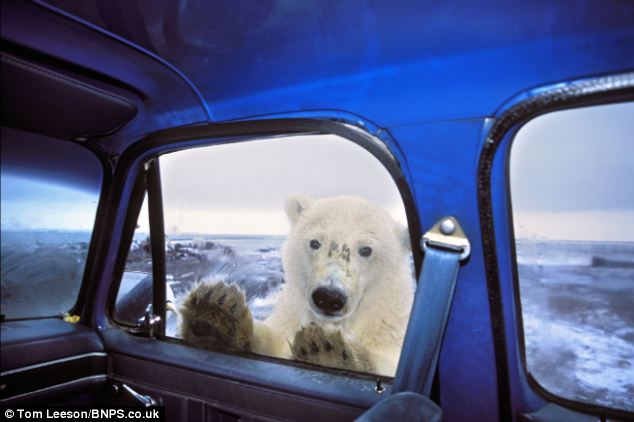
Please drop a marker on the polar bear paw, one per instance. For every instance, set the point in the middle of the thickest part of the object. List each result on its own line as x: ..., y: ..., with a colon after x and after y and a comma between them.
x: 215, y: 316
x: 317, y: 346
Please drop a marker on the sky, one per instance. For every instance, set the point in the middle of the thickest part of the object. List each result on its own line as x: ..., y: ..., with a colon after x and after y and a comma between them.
x: 238, y: 188
x: 572, y: 175
x: 241, y: 188
x: 571, y: 178
x: 38, y: 187
x: 38, y: 204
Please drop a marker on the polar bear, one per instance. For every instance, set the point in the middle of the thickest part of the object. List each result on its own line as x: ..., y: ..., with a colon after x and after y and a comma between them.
x: 346, y: 299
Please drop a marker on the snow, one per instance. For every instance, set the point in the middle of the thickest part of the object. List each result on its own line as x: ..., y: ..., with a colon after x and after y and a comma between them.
x: 577, y: 297
x: 579, y: 320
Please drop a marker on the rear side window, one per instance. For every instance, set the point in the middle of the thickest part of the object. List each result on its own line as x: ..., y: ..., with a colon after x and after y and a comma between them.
x: 50, y: 191
x: 571, y: 183
x: 294, y: 248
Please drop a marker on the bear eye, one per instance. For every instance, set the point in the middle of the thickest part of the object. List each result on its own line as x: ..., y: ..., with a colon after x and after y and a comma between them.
x: 365, y: 251
x: 315, y: 244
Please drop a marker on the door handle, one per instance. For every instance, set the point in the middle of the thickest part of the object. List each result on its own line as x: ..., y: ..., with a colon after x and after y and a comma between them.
x: 143, y: 400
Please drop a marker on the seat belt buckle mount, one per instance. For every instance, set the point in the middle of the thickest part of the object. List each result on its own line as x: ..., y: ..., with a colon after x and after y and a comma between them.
x: 447, y: 235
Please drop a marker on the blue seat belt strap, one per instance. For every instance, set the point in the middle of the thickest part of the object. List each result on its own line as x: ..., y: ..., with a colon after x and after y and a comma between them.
x: 445, y: 248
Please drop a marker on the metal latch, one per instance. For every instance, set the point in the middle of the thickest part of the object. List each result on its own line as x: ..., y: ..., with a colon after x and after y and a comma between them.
x: 147, y: 324
x: 447, y: 234
x: 150, y: 321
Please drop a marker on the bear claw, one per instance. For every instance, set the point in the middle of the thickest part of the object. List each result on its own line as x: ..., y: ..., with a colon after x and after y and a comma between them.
x: 216, y: 317
x: 328, y: 348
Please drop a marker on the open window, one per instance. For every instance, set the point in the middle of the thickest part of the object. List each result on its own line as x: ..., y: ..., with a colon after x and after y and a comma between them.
x: 570, y: 175
x: 304, y: 236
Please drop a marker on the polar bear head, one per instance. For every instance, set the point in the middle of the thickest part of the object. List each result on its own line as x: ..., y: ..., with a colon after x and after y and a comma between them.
x: 340, y: 251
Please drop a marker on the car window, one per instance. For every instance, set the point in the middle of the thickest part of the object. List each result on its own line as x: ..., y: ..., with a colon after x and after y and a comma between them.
x: 50, y: 191
x: 571, y: 176
x: 294, y: 247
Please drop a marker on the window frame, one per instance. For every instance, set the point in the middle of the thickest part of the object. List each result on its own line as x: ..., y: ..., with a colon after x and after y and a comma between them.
x: 496, y: 222
x: 134, y: 163
x: 82, y: 306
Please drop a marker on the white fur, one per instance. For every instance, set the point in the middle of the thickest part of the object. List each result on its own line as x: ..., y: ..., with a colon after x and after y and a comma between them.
x: 379, y: 288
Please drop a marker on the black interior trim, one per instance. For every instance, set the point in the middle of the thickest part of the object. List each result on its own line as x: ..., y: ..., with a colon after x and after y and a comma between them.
x: 345, y: 387
x: 54, y: 393
x: 31, y: 342
x: 70, y: 69
x: 38, y: 377
x: 615, y: 88
x: 46, y: 101
x: 177, y: 72
x: 93, y: 247
x: 226, y: 394
x: 26, y: 369
x: 47, y: 355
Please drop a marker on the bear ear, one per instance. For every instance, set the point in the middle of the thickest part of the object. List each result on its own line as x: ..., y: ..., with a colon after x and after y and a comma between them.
x: 402, y: 234
x: 297, y: 205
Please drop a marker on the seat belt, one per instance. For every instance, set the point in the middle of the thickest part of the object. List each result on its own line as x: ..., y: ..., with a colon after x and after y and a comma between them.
x: 445, y: 247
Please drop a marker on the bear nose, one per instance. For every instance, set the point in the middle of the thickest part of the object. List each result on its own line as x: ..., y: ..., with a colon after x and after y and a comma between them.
x: 329, y: 300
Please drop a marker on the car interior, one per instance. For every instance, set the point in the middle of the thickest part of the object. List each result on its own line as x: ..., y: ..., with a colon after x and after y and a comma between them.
x: 147, y: 145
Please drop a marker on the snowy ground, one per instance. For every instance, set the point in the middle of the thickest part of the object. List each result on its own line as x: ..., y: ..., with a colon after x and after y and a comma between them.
x: 41, y: 271
x: 577, y: 298
x: 578, y: 307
